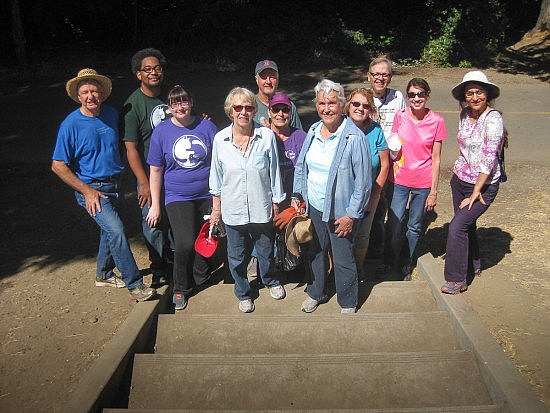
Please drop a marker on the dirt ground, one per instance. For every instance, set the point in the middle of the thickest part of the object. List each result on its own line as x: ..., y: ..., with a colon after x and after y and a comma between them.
x: 55, y: 323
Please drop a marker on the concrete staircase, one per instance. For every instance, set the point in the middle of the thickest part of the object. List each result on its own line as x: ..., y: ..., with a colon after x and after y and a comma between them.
x: 399, y: 353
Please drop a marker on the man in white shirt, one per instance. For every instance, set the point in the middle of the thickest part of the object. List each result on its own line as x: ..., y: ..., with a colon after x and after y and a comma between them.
x: 388, y: 102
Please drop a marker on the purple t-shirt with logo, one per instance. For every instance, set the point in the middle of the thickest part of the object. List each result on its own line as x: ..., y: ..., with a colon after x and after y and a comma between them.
x: 288, y: 155
x: 185, y: 153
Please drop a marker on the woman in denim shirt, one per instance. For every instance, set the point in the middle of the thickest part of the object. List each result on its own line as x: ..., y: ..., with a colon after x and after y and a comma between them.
x: 334, y: 176
x: 246, y: 188
x: 476, y: 176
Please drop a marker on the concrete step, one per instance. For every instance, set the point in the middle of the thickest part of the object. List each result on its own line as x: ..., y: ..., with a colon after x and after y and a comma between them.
x: 185, y: 333
x: 384, y: 297
x: 307, y: 381
x: 460, y: 409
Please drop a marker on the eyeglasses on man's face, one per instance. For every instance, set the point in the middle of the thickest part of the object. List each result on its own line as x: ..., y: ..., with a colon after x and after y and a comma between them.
x: 380, y: 75
x: 412, y: 95
x: 365, y: 106
x: 149, y: 69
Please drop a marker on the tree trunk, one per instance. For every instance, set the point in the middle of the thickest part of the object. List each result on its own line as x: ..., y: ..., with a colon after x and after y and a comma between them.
x: 19, y: 36
x: 536, y: 42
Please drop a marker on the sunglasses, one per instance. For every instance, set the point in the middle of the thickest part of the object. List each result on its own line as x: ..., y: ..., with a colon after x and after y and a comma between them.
x: 412, y: 95
x: 365, y: 106
x: 239, y: 108
x: 278, y: 108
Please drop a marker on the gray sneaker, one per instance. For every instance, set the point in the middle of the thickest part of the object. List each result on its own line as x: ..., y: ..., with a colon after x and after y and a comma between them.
x: 350, y: 310
x: 142, y: 292
x: 112, y: 281
x: 246, y: 306
x: 277, y: 292
x: 309, y: 305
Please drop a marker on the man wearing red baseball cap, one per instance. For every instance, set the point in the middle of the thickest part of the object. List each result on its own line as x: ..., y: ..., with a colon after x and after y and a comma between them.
x: 267, y: 79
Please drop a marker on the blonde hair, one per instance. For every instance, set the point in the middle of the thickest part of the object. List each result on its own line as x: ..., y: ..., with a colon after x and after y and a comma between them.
x: 240, y: 93
x: 367, y: 93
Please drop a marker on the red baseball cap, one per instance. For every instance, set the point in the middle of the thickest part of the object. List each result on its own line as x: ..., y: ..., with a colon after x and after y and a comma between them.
x: 206, y: 244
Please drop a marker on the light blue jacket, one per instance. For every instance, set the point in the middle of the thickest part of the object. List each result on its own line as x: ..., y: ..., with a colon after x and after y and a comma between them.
x: 350, y: 175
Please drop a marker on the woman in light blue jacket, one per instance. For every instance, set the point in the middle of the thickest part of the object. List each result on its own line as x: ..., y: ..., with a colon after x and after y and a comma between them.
x: 333, y: 175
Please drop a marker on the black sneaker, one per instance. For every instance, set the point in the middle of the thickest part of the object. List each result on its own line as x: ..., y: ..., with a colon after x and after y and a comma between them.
x: 142, y: 292
x: 159, y: 281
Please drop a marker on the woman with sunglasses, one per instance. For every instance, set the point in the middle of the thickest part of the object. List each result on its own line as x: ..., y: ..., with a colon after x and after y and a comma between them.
x: 476, y: 176
x: 246, y: 188
x: 289, y: 140
x: 180, y: 155
x: 414, y: 176
x: 362, y: 111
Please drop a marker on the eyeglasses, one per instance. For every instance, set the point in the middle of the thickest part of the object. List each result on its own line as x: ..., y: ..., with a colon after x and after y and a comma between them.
x: 380, y: 75
x: 239, y: 108
x: 421, y: 95
x: 180, y: 104
x: 149, y: 69
x: 278, y: 108
x: 365, y: 106
x: 480, y: 93
x: 330, y: 105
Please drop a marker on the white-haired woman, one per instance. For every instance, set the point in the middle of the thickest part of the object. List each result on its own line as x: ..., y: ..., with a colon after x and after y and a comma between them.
x: 246, y: 188
x: 476, y: 176
x: 334, y: 176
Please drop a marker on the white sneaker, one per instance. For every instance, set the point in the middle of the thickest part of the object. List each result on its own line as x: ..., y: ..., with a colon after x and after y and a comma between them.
x: 246, y: 306
x: 277, y: 292
x: 309, y: 305
x: 350, y: 310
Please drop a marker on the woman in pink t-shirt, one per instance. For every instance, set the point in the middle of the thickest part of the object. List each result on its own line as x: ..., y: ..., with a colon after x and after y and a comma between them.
x: 414, y: 176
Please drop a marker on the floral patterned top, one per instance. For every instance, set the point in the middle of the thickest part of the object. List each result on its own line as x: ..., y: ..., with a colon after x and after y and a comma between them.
x: 479, y: 144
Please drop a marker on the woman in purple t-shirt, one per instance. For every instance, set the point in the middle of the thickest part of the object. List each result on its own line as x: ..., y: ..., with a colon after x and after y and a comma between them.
x: 180, y: 155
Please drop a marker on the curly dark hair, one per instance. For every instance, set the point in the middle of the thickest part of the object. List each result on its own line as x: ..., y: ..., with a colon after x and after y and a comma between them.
x: 144, y: 53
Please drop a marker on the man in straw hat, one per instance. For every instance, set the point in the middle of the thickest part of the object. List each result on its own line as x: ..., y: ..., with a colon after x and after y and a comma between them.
x: 142, y: 112
x: 86, y: 157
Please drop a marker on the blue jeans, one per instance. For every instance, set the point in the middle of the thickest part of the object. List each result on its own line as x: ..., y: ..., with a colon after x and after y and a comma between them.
x: 398, y: 196
x: 114, y: 248
x: 462, y: 251
x: 345, y: 271
x: 154, y: 241
x: 241, y: 239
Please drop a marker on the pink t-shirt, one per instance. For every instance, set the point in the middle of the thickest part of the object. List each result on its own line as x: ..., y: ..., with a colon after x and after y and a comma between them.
x: 414, y: 168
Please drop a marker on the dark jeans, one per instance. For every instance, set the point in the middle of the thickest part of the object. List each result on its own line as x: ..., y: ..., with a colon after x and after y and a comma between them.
x: 345, y: 270
x: 186, y: 220
x: 462, y: 252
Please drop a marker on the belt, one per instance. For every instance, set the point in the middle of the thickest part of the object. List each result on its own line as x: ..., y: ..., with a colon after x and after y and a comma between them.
x: 112, y: 178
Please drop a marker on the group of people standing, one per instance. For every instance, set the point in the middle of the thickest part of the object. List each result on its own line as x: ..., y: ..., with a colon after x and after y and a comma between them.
x: 341, y: 173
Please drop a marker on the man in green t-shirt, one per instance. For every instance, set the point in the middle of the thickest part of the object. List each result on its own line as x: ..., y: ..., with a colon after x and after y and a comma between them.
x: 142, y: 111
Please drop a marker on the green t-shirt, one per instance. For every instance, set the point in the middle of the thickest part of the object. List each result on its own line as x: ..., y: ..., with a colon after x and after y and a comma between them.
x: 140, y: 115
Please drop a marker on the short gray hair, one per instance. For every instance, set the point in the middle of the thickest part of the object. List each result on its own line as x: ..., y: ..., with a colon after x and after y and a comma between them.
x: 328, y: 86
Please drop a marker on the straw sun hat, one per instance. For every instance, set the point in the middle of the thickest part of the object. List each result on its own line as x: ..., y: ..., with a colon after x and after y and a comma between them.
x: 298, y: 231
x: 475, y: 76
x: 84, y: 74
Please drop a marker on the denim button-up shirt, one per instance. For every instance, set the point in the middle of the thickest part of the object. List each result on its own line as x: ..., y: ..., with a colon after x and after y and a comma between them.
x: 248, y: 184
x: 350, y: 175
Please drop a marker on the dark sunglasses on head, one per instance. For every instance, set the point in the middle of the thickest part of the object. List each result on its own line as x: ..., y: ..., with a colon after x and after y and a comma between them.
x: 239, y: 108
x: 278, y: 108
x: 412, y: 95
x: 365, y: 106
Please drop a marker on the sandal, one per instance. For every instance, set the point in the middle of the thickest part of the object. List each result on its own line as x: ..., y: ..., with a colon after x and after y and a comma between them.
x: 454, y: 288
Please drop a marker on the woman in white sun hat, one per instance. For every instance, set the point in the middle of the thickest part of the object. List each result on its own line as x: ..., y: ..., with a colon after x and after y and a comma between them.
x: 476, y: 176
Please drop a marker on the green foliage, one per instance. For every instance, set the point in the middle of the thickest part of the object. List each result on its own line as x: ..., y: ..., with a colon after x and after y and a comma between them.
x: 442, y: 39
x: 464, y: 63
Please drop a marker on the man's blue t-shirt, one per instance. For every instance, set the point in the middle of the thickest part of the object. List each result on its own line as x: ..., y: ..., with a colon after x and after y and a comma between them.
x: 89, y: 145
